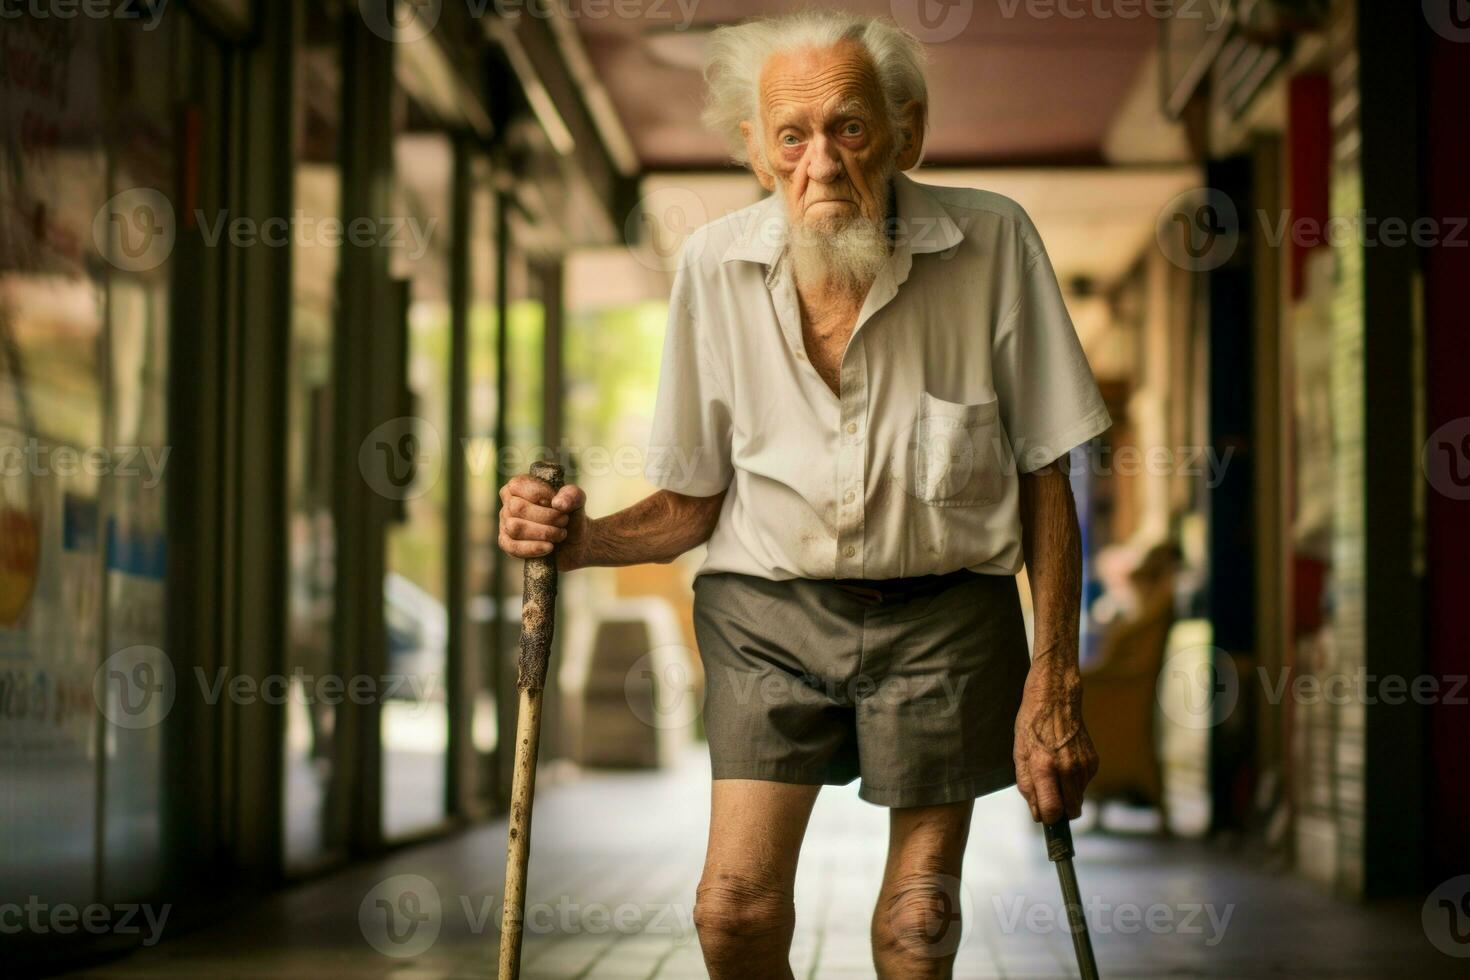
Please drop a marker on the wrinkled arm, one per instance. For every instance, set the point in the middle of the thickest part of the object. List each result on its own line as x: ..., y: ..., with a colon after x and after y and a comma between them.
x: 1054, y: 755
x: 658, y: 528
x: 1052, y: 544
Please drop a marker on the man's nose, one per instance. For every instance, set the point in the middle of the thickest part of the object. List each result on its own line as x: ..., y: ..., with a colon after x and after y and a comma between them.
x: 824, y: 164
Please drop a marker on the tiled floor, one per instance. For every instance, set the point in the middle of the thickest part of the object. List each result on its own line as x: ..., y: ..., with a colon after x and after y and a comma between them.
x: 614, y: 864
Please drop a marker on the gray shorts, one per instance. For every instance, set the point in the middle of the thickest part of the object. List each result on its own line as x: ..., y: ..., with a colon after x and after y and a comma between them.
x: 913, y: 686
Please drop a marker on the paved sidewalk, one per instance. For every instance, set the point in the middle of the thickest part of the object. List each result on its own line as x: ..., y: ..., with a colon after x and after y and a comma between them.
x: 616, y: 857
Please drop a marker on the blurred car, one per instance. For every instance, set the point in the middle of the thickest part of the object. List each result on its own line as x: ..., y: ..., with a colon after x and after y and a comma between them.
x: 418, y: 634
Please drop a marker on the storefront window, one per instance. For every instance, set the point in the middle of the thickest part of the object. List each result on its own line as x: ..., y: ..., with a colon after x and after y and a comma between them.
x: 133, y: 539
x: 87, y: 187
x: 311, y: 744
x: 479, y: 450
x: 52, y: 301
x: 415, y: 723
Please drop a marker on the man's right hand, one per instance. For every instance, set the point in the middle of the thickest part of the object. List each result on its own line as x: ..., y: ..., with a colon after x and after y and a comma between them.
x: 533, y: 521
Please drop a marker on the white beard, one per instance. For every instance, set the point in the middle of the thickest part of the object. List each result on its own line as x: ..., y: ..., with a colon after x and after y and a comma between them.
x: 844, y: 255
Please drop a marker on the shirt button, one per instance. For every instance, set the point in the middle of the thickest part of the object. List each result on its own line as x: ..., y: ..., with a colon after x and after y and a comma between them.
x: 851, y: 428
x: 848, y: 497
x: 850, y: 551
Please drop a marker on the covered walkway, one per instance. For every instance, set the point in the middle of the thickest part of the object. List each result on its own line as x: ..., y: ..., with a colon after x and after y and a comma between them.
x: 616, y: 858
x: 289, y: 290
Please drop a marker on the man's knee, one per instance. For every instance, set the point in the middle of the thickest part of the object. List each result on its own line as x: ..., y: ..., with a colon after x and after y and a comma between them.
x: 733, y: 909
x: 918, y: 916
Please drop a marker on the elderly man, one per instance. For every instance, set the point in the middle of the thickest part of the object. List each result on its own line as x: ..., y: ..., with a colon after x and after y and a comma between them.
x: 868, y: 393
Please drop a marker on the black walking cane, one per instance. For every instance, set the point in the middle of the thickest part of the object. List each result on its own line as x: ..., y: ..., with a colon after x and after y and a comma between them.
x: 1059, y: 849
x: 538, y: 619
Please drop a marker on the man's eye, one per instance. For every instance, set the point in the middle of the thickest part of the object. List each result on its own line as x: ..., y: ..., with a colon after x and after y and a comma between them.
x: 853, y: 129
x: 790, y: 139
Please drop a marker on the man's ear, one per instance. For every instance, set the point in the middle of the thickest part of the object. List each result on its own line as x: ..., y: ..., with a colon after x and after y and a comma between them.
x: 756, y: 157
x: 911, y: 135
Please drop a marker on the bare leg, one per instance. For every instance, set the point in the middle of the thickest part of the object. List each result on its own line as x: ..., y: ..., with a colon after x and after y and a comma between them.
x: 744, y: 911
x: 916, y: 925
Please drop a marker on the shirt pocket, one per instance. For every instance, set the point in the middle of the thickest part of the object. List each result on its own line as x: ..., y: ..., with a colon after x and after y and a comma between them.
x: 956, y: 463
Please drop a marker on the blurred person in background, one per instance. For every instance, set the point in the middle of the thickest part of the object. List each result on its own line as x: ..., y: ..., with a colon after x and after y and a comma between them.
x: 1120, y: 685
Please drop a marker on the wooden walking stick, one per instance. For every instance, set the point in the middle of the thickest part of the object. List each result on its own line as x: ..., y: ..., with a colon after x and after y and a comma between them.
x: 538, y: 617
x: 1059, y: 850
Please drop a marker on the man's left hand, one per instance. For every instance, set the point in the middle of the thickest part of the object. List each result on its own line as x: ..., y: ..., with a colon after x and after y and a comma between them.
x: 1054, y: 756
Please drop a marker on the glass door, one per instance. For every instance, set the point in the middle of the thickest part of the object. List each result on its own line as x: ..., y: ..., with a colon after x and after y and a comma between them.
x: 480, y: 517
x: 415, y: 709
x: 313, y: 784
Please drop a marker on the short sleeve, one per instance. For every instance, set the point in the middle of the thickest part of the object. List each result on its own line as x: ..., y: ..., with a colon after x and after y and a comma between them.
x: 1049, y: 401
x: 689, y: 446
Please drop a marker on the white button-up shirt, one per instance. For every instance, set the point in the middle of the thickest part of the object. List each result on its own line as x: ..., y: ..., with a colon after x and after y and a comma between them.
x: 962, y: 371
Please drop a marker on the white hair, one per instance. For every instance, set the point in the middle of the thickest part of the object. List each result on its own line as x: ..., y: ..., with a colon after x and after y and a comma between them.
x: 736, y: 55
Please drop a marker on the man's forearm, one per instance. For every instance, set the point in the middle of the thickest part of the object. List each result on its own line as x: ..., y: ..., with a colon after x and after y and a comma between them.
x: 1052, y: 545
x: 1055, y: 757
x: 658, y: 528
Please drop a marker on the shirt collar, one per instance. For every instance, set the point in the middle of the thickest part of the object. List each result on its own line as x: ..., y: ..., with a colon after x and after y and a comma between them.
x: 924, y: 225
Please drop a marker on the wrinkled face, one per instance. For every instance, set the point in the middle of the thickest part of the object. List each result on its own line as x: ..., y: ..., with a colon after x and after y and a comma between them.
x: 824, y: 137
